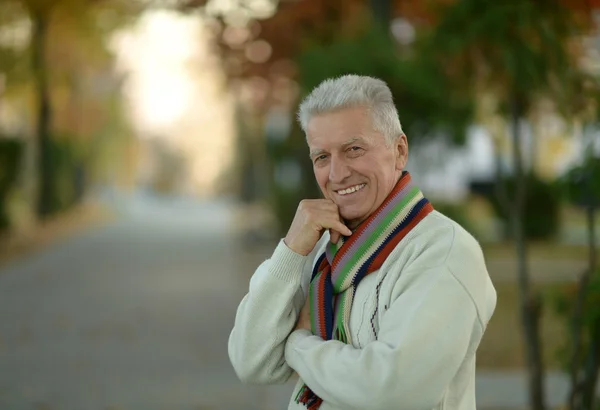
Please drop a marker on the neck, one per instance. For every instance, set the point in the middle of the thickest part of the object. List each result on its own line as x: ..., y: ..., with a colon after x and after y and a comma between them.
x: 354, y: 223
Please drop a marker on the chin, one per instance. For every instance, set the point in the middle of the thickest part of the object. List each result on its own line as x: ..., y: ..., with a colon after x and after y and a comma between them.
x: 352, y: 217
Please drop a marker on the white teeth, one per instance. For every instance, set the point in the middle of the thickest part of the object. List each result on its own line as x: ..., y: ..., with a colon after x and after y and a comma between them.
x: 351, y: 189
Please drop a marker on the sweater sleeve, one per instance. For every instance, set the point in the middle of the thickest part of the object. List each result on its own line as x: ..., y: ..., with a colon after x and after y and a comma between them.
x: 266, y: 316
x: 423, y: 338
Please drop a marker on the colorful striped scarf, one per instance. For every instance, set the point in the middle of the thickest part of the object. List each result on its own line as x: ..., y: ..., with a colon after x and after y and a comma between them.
x: 343, y: 265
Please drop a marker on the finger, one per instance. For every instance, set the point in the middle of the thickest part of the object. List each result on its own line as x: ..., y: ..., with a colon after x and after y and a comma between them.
x: 325, y: 204
x: 337, y: 228
x: 333, y: 222
x: 341, y: 228
x: 318, y: 202
x: 306, y: 307
x: 334, y: 236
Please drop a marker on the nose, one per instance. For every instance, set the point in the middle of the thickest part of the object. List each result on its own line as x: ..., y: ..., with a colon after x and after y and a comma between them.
x: 338, y: 170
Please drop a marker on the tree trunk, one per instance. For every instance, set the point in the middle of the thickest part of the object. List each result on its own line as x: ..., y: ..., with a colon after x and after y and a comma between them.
x: 500, y: 191
x: 40, y: 71
x: 530, y: 305
x: 584, y: 375
x: 591, y: 370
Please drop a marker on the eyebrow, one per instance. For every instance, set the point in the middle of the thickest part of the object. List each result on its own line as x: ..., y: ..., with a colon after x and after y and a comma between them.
x: 317, y: 152
x: 353, y: 140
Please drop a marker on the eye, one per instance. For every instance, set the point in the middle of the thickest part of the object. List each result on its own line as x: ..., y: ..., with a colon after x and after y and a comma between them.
x: 320, y: 158
x: 355, y: 150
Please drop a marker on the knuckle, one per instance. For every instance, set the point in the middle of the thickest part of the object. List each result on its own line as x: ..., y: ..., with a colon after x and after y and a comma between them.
x: 304, y: 208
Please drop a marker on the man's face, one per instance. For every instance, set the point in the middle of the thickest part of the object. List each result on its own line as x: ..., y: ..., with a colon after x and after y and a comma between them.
x: 353, y: 164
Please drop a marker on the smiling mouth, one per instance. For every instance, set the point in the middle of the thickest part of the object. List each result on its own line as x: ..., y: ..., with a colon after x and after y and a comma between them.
x: 350, y: 190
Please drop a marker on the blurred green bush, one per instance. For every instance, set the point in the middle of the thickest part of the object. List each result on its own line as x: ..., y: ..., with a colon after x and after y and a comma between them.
x: 541, y: 218
x: 67, y: 156
x: 11, y: 152
x: 581, y: 184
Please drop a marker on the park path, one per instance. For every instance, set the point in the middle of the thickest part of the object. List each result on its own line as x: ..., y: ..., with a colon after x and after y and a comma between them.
x: 136, y: 314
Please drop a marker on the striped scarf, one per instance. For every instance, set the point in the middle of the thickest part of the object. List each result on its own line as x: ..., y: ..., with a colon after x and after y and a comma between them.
x: 342, y: 266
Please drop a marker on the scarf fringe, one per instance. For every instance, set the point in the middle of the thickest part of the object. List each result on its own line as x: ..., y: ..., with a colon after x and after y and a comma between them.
x: 309, y: 399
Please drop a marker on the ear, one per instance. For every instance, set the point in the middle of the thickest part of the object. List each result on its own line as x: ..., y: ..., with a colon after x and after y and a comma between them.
x: 401, y: 148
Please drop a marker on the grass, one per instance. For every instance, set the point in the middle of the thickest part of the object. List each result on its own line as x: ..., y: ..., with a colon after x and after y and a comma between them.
x: 502, y: 344
x: 541, y: 249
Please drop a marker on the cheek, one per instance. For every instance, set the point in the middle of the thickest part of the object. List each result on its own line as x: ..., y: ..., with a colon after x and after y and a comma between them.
x: 385, y: 173
x: 322, y: 176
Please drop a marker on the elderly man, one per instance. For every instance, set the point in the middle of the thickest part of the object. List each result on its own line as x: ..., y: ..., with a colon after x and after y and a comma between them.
x: 373, y: 298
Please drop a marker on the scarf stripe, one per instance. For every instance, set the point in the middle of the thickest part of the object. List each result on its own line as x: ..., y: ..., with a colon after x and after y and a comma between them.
x: 422, y: 209
x: 343, y: 265
x: 343, y: 316
x: 313, y: 293
x: 319, y: 294
x: 319, y: 266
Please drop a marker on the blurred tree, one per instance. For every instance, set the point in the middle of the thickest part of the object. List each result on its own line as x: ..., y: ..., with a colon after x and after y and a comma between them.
x: 39, y: 12
x: 286, y: 33
x: 86, y: 91
x: 65, y: 60
x: 520, y: 51
x: 541, y: 206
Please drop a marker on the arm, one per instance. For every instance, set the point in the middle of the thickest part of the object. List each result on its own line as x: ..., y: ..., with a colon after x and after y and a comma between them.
x: 265, y: 318
x: 423, y: 339
x: 268, y: 313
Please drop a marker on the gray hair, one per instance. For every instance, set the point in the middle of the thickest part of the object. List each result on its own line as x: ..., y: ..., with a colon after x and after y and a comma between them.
x: 351, y: 91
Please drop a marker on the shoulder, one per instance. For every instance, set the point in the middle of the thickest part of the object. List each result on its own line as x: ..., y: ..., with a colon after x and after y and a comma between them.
x: 455, y: 249
x: 457, y: 246
x: 437, y: 240
x: 440, y: 246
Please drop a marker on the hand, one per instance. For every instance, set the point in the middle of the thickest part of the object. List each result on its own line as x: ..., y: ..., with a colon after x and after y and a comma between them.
x: 304, y: 317
x: 312, y: 217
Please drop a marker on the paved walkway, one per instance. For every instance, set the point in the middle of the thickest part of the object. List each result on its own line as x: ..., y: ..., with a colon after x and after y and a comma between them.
x: 136, y: 315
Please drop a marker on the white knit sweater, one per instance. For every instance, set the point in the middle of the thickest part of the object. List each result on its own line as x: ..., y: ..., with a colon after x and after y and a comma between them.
x: 416, y: 324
